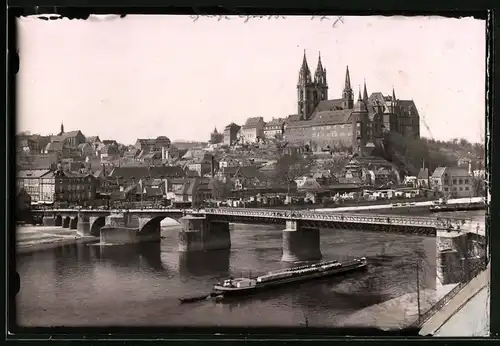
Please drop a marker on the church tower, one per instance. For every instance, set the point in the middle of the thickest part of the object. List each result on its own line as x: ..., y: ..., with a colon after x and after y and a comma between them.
x: 347, y: 95
x: 62, y: 129
x: 321, y: 93
x: 360, y: 126
x: 305, y: 91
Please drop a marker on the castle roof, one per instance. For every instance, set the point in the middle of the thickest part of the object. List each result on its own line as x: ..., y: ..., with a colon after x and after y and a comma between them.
x: 332, y: 117
x: 253, y: 122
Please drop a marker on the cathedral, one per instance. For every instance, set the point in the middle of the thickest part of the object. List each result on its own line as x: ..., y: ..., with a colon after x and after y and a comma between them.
x: 344, y: 123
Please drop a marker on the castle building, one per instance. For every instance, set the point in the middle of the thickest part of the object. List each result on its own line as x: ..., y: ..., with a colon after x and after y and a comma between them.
x: 342, y: 123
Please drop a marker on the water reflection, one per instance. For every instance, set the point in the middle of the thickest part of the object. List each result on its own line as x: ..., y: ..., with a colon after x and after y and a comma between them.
x: 207, y: 263
x: 132, y: 256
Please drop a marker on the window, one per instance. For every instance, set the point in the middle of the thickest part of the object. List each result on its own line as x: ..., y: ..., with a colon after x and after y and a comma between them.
x: 454, y: 181
x: 446, y: 181
x: 461, y: 189
x: 466, y: 181
x: 446, y: 189
x: 460, y: 181
x: 466, y: 188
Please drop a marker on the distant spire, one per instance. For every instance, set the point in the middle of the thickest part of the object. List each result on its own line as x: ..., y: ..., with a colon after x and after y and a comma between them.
x: 320, y: 74
x: 365, y: 93
x: 393, y: 94
x: 347, y: 85
x: 304, y: 61
x: 359, y: 96
x: 62, y: 128
x: 304, y: 73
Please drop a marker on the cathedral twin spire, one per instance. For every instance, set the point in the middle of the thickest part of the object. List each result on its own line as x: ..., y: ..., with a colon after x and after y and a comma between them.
x: 305, y: 74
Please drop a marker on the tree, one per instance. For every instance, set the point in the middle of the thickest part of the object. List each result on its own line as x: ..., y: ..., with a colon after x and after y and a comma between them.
x: 289, y: 168
x: 220, y: 190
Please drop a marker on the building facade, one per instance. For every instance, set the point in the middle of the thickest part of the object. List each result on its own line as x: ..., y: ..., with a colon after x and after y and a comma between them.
x: 343, y: 123
x: 274, y: 128
x: 253, y: 130
x: 231, y: 134
x: 452, y: 182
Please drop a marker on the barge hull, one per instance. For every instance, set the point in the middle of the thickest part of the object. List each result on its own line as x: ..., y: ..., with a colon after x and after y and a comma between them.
x: 281, y: 282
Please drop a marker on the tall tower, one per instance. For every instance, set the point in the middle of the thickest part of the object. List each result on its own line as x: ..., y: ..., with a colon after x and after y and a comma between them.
x: 320, y: 82
x: 62, y: 129
x: 305, y: 91
x: 347, y: 94
x: 361, y: 130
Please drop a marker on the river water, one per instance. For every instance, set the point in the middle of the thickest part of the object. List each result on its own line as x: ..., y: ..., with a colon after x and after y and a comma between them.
x: 139, y: 285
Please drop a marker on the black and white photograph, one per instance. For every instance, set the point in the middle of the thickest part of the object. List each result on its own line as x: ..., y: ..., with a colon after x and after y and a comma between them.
x: 253, y: 172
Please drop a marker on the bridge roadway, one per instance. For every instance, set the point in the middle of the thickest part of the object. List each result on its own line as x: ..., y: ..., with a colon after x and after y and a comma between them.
x: 208, y: 229
x: 255, y: 215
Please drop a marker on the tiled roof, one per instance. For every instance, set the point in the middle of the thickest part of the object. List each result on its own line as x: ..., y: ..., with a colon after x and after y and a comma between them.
x: 292, y: 118
x: 228, y: 127
x: 55, y: 146
x: 128, y: 172
x: 35, y: 173
x: 71, y: 134
x: 253, y: 122
x: 332, y: 117
x: 329, y: 105
x: 167, y: 172
x: 438, y: 172
x: 93, y: 139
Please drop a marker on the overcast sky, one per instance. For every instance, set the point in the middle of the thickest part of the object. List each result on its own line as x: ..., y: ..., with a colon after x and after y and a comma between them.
x: 150, y: 76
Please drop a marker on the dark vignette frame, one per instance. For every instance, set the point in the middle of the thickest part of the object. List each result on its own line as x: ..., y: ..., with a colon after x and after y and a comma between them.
x: 446, y: 8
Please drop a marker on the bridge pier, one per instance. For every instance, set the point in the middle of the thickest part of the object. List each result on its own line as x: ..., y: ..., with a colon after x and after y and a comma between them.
x: 83, y: 226
x: 128, y: 229
x: 459, y: 256
x: 201, y: 234
x: 300, y: 243
x: 49, y: 220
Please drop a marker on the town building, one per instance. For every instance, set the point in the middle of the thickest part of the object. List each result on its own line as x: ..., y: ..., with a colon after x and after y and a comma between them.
x: 38, y: 183
x: 253, y: 130
x: 228, y: 161
x: 216, y: 137
x: 71, y: 139
x: 203, y: 165
x: 274, y: 128
x: 231, y: 134
x: 345, y: 123
x: 74, y: 187
x: 452, y: 182
x: 152, y: 144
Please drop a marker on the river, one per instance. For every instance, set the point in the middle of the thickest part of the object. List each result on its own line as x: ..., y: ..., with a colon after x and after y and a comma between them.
x: 139, y: 285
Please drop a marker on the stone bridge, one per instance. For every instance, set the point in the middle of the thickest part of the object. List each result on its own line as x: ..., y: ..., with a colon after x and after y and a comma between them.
x: 208, y: 229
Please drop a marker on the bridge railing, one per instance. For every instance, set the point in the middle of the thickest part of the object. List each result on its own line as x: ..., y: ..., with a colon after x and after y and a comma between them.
x: 399, y: 220
x: 338, y: 217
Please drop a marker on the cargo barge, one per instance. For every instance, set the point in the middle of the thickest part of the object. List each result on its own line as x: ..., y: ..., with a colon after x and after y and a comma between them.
x: 245, y: 286
x: 457, y: 207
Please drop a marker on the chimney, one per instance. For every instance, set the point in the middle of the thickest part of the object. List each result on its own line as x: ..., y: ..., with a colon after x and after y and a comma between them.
x: 212, y: 168
x: 163, y: 153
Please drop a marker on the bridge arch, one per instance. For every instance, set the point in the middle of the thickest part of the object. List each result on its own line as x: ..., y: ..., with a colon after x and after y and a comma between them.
x: 65, y: 221
x: 58, y: 220
x: 151, y: 225
x: 73, y: 223
x: 96, y: 224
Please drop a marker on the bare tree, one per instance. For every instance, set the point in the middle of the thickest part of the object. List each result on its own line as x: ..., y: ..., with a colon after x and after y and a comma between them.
x: 289, y: 168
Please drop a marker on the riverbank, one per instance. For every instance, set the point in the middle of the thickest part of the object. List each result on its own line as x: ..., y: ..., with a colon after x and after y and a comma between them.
x: 31, y: 239
x: 395, y: 313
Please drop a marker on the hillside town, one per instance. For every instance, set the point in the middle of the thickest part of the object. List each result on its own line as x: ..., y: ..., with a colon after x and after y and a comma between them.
x: 330, y: 152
